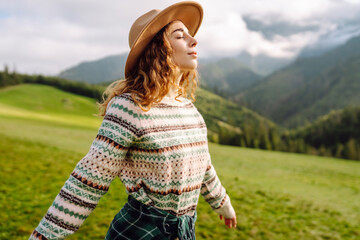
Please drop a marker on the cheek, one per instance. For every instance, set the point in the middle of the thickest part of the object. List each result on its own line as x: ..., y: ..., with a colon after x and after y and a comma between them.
x: 178, y: 45
x: 176, y: 49
x: 175, y: 55
x: 179, y: 52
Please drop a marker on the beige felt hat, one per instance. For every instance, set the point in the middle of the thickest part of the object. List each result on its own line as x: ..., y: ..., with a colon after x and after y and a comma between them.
x: 148, y: 25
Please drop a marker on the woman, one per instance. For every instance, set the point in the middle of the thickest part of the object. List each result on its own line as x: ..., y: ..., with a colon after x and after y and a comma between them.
x: 152, y: 137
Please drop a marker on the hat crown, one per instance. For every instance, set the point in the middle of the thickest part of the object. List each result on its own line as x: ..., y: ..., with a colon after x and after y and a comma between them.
x: 140, y: 24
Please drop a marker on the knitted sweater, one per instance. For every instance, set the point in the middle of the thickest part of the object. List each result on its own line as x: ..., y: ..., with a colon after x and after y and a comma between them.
x: 161, y: 156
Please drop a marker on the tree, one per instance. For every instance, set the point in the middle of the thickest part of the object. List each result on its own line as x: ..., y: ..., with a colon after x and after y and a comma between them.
x: 351, y: 149
x: 339, y: 151
x: 4, y: 77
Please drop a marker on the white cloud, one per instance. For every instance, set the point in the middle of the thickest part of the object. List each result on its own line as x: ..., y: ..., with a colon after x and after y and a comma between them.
x: 290, y: 10
x: 228, y: 35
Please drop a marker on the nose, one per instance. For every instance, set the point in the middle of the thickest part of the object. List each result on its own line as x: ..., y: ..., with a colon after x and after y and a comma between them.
x: 193, y: 42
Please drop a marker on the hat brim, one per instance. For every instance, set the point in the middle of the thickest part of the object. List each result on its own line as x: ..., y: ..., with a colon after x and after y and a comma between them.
x: 189, y: 13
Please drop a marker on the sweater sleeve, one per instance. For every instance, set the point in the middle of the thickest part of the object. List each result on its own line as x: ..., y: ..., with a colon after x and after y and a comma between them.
x: 91, y: 178
x: 214, y: 193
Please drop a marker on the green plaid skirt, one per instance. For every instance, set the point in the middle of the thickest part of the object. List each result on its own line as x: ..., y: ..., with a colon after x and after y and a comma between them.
x: 137, y: 221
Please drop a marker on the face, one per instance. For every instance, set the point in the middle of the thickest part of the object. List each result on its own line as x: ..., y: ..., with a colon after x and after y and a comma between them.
x: 183, y: 46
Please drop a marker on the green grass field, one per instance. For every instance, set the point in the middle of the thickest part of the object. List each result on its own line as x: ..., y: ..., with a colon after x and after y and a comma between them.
x: 44, y: 132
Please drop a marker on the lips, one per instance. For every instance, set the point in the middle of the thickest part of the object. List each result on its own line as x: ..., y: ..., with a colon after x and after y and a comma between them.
x: 192, y: 53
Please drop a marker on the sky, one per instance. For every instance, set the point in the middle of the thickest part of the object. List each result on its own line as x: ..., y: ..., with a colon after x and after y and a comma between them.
x: 46, y: 37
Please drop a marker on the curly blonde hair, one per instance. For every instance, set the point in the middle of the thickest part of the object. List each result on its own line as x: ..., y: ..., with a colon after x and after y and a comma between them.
x: 153, y: 77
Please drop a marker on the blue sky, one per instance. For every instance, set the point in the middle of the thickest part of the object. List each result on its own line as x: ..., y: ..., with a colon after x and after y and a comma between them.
x: 42, y: 36
x: 4, y: 14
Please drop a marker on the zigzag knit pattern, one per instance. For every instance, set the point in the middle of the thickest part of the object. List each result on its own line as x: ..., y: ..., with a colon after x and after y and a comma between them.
x: 161, y: 156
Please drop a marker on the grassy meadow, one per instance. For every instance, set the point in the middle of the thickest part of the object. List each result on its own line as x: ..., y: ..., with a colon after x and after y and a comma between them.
x: 44, y: 132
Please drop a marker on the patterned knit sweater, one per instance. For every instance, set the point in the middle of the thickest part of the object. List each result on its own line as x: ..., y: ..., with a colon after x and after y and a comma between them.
x: 161, y: 156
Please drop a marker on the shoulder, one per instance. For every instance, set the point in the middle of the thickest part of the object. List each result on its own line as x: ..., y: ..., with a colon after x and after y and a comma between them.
x: 123, y: 104
x: 122, y: 99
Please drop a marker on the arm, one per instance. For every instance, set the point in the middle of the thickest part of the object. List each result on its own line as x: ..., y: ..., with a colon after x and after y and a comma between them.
x: 90, y: 179
x: 214, y: 193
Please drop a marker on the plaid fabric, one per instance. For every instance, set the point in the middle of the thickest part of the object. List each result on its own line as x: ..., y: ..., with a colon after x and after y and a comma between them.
x: 139, y: 221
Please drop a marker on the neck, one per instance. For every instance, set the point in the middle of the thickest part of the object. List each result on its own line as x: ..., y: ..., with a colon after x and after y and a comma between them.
x: 173, y: 89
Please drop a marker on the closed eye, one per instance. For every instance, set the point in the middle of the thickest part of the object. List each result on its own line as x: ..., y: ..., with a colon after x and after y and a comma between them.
x: 180, y: 32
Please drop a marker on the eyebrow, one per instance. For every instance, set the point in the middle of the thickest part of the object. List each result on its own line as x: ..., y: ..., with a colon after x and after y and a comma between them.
x: 179, y: 30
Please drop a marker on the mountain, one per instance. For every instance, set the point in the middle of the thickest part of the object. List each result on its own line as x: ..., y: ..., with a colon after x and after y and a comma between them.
x: 106, y: 69
x: 263, y: 64
x: 336, y: 88
x: 307, y: 85
x: 227, y: 74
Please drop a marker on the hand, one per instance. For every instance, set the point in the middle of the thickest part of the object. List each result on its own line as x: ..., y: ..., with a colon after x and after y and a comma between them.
x: 230, y: 222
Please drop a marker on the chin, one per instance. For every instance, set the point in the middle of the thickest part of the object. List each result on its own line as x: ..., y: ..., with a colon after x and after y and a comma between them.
x: 189, y: 67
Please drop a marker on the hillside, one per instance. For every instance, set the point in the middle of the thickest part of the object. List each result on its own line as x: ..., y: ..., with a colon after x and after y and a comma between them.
x: 230, y: 124
x: 277, y: 93
x: 335, y: 134
x: 226, y: 122
x: 45, y: 103
x: 46, y: 99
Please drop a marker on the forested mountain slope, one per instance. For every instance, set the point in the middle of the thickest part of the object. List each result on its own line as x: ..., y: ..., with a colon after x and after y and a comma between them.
x: 306, y: 86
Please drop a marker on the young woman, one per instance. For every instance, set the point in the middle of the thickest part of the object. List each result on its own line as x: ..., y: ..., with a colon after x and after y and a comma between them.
x: 152, y: 138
